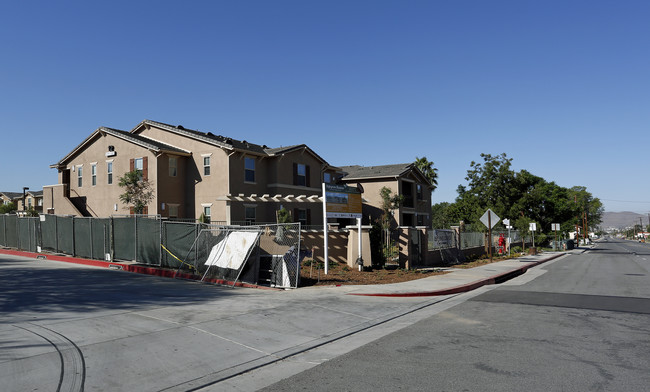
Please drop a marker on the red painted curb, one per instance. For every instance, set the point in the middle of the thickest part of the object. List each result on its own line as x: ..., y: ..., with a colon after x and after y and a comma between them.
x: 138, y: 269
x: 463, y: 288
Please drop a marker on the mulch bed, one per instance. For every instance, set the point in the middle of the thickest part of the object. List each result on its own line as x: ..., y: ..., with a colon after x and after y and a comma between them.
x: 341, y: 274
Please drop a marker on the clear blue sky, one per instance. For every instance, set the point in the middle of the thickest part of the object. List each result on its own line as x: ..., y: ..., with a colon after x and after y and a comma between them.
x: 563, y: 87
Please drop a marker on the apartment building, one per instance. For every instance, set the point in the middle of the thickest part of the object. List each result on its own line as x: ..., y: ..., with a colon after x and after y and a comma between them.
x: 192, y: 173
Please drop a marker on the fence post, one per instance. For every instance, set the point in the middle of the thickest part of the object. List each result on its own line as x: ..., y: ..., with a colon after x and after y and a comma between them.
x: 92, y: 254
x: 135, y: 222
x: 112, y: 239
x: 74, y: 253
x: 160, y: 229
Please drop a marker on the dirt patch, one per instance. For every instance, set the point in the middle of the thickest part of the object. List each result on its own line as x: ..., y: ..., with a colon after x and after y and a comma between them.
x: 341, y: 274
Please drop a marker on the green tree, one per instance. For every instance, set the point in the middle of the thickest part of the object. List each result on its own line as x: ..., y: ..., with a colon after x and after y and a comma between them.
x: 521, y: 196
x: 389, y: 203
x: 7, y: 208
x: 489, y: 186
x: 429, y: 171
x: 138, y: 191
x: 440, y: 218
x: 283, y: 216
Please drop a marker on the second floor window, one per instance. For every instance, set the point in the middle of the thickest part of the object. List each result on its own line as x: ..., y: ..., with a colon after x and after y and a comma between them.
x: 300, y: 174
x: 206, y: 166
x: 109, y: 172
x: 249, y: 169
x: 327, y: 178
x: 93, y: 174
x: 80, y: 177
x: 407, y: 192
x: 418, y: 190
x: 173, y: 166
x: 139, y: 166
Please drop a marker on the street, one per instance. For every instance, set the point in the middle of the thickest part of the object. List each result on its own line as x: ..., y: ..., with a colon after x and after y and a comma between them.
x: 578, y: 323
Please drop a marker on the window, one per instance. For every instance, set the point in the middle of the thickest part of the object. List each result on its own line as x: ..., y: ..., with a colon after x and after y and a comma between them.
x: 250, y: 215
x: 249, y: 169
x: 29, y: 203
x: 207, y: 213
x: 300, y: 174
x: 79, y: 176
x: 407, y: 192
x: 109, y: 172
x: 327, y: 178
x: 173, y: 166
x: 138, y: 165
x: 93, y: 174
x: 419, y: 193
x: 206, y: 166
x: 301, y: 216
x: 40, y: 202
x: 173, y: 210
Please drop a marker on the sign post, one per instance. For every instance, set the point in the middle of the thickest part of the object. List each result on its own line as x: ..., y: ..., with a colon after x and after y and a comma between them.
x: 506, y: 222
x: 340, y: 201
x: 533, y: 228
x: 489, y: 219
x: 555, y: 227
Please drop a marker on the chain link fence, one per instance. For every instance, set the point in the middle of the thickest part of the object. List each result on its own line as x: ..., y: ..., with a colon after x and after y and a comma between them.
x: 263, y: 254
x: 272, y: 258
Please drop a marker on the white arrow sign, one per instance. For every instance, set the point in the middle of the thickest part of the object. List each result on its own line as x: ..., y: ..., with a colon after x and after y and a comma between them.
x: 489, y: 219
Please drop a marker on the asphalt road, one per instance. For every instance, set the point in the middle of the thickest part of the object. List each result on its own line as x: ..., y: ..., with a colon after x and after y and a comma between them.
x: 65, y: 327
x: 579, y: 323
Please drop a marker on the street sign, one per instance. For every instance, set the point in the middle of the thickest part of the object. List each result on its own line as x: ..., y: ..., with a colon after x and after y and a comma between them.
x: 489, y: 219
x: 532, y: 226
x: 506, y: 222
x: 555, y: 226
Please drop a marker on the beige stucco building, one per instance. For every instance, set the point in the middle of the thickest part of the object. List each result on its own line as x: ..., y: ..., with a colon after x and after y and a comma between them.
x: 24, y: 202
x: 192, y: 173
x: 402, y: 179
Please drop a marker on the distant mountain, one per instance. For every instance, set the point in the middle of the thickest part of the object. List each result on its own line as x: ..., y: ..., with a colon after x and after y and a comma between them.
x: 621, y: 220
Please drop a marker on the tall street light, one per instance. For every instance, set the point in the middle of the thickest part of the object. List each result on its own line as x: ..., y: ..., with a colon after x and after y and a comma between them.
x: 25, y: 188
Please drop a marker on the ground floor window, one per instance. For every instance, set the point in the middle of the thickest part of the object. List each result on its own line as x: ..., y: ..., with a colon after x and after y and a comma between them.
x: 407, y: 220
x: 207, y: 211
x: 173, y: 210
x: 302, y: 215
x: 250, y: 215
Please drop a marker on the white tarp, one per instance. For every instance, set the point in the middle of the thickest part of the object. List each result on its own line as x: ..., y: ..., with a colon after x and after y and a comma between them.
x: 231, y: 252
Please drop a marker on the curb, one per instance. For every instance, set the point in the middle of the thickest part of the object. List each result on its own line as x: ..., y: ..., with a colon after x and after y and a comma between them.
x: 496, y: 279
x: 138, y: 269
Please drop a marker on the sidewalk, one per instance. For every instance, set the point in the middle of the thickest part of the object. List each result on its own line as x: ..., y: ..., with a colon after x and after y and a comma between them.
x: 457, y: 281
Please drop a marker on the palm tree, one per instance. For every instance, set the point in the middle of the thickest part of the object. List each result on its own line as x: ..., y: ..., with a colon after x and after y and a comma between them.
x: 430, y: 172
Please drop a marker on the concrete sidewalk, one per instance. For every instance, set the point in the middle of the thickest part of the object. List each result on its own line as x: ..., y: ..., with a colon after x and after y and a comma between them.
x: 456, y: 281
